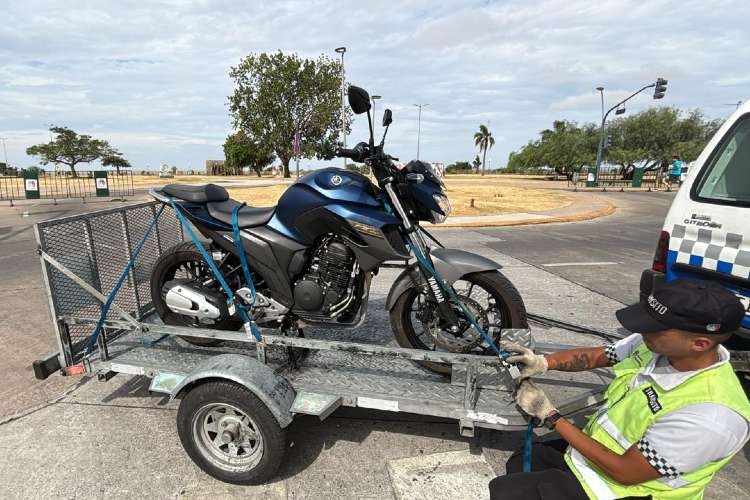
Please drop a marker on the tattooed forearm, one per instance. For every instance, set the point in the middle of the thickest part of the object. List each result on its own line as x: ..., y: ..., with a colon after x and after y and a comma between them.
x: 577, y: 360
x: 577, y: 363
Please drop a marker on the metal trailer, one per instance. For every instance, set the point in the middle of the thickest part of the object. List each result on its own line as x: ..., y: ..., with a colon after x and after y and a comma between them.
x: 237, y: 398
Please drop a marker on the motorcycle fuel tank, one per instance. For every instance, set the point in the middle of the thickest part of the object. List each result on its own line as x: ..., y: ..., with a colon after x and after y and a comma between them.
x: 350, y: 195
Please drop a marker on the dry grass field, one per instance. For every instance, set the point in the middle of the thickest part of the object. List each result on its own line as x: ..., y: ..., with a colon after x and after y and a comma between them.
x: 492, y: 194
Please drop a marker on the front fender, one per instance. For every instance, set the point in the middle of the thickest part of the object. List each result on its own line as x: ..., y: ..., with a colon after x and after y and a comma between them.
x: 275, y: 391
x: 451, y: 264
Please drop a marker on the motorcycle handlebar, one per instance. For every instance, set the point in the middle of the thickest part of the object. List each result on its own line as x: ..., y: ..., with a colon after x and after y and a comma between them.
x: 346, y: 153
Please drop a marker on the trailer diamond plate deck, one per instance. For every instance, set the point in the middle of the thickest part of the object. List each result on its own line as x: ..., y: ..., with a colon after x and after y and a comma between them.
x: 359, y: 380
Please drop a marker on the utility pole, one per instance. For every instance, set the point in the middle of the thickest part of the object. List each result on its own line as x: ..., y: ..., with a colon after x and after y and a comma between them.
x: 342, y: 51
x: 419, y: 126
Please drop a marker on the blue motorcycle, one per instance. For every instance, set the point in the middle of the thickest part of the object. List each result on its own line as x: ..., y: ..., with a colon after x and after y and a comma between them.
x: 312, y: 257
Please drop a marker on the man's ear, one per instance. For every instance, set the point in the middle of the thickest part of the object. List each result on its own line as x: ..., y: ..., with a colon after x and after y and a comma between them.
x: 702, y: 343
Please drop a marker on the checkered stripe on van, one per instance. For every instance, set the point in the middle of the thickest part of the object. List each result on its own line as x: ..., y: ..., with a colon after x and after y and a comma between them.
x: 714, y: 250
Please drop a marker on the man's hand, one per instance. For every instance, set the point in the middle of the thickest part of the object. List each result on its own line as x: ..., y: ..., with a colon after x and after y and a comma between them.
x: 533, y: 400
x: 531, y: 364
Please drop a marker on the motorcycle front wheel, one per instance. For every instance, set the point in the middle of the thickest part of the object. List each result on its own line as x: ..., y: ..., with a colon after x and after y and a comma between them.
x: 492, y: 300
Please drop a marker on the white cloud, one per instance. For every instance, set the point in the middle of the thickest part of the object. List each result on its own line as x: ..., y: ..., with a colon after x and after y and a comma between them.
x: 151, y: 77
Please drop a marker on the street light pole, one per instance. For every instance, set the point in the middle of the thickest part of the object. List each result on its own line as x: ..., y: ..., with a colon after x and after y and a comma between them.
x: 342, y: 50
x: 5, y: 151
x: 601, y: 91
x: 419, y: 126
x: 374, y: 98
x: 660, y: 88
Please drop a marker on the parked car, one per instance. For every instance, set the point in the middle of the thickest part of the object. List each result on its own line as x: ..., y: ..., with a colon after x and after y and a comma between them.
x: 706, y: 234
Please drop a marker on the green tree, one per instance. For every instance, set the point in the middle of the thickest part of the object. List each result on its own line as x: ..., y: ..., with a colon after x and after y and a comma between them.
x: 459, y: 167
x: 484, y: 141
x: 476, y: 163
x: 69, y: 148
x: 114, y: 158
x: 241, y: 151
x: 277, y: 94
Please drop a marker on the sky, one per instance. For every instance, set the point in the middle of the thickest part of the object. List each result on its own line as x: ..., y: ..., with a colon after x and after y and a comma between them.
x: 152, y: 77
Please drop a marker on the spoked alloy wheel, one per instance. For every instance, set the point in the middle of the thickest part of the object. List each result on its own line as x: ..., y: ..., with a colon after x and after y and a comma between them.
x: 489, y: 296
x: 230, y: 433
x: 227, y: 437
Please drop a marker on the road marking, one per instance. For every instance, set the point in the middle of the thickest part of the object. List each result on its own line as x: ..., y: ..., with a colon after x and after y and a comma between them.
x: 563, y: 264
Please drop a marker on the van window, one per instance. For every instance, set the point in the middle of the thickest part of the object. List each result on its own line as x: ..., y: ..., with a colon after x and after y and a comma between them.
x: 726, y: 179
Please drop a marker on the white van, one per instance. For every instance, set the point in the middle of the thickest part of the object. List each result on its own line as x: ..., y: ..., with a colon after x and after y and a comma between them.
x: 706, y: 234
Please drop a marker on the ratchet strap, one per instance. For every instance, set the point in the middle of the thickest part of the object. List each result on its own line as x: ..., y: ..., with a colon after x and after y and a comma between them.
x: 115, y: 289
x: 250, y: 326
x: 527, y: 446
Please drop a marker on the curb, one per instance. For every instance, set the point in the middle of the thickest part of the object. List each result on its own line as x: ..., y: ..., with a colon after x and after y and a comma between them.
x: 594, y: 214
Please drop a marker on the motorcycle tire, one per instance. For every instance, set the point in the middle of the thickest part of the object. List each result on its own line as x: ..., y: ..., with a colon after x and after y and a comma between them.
x: 160, y: 274
x: 502, y: 290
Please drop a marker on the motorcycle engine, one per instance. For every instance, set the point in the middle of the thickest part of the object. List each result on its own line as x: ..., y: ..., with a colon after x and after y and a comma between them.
x: 327, y: 287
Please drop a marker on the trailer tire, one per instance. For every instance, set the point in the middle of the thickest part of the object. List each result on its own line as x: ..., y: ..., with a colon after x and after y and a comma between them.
x: 214, y: 412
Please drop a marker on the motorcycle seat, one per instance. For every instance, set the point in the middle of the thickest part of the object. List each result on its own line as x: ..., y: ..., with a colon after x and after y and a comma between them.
x: 204, y: 193
x: 246, y: 217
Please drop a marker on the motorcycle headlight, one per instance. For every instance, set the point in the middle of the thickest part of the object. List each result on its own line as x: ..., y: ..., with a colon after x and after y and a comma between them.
x: 445, y: 207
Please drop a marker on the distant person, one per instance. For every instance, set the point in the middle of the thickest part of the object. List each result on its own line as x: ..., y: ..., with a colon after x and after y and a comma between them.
x: 675, y: 170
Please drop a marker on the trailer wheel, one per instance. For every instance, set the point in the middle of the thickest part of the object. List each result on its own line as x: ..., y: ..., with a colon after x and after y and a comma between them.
x: 230, y: 434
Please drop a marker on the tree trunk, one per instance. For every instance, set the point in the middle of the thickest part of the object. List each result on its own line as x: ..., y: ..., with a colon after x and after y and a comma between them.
x: 285, y: 167
x: 73, y: 170
x: 117, y: 169
x: 484, y: 158
x: 258, y: 170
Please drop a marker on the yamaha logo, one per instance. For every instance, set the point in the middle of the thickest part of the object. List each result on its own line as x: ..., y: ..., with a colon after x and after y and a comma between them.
x: 336, y: 180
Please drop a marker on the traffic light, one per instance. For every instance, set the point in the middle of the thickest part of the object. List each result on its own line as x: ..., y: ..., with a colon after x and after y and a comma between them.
x: 607, y: 143
x: 660, y: 88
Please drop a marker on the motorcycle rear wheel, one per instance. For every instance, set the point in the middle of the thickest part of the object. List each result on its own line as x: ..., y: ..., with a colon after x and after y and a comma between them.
x: 184, y: 258
x: 504, y: 308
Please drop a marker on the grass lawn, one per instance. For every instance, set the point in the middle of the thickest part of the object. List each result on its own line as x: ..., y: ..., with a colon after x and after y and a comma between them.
x: 492, y: 194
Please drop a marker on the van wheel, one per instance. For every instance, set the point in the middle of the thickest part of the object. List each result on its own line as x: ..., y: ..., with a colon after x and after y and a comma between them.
x: 230, y: 434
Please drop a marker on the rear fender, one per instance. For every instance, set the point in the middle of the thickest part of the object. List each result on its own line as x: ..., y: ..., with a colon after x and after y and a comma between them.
x: 451, y: 264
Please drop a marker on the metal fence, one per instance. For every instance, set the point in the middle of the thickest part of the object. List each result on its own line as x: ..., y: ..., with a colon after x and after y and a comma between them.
x: 62, y: 185
x: 97, y: 247
x: 614, y: 179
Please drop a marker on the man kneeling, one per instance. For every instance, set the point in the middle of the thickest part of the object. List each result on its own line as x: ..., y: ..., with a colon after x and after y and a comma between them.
x: 674, y: 414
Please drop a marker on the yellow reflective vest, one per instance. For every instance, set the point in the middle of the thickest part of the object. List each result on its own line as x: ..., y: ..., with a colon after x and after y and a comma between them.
x: 630, y: 411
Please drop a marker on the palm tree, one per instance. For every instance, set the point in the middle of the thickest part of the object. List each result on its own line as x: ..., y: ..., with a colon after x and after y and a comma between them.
x: 484, y: 141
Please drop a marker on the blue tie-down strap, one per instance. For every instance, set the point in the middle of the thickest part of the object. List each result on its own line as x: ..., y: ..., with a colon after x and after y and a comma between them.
x: 249, y: 325
x: 454, y: 297
x: 111, y: 298
x: 527, y: 442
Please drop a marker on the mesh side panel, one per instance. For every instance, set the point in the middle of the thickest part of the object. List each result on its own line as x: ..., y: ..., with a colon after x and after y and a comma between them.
x: 138, y: 221
x: 96, y: 247
x: 112, y: 255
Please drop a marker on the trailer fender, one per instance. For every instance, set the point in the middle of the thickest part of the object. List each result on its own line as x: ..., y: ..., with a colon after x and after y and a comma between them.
x: 275, y: 391
x: 449, y: 263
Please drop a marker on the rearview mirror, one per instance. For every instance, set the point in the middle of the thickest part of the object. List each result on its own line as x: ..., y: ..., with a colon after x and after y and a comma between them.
x: 359, y: 100
x: 387, y: 117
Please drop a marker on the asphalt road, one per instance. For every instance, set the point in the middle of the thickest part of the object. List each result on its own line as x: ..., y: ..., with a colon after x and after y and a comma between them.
x: 606, y: 255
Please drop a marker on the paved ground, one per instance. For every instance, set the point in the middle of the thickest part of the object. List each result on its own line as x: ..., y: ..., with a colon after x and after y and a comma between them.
x: 605, y: 254
x: 114, y: 440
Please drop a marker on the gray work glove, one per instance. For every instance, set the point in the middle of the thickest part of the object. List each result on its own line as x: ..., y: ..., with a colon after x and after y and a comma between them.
x: 533, y: 400
x: 530, y: 364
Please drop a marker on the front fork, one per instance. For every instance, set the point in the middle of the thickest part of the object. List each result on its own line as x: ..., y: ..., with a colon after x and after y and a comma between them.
x: 444, y: 308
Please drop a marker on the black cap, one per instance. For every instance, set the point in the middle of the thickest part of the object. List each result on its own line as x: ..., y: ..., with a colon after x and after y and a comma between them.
x: 690, y: 305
